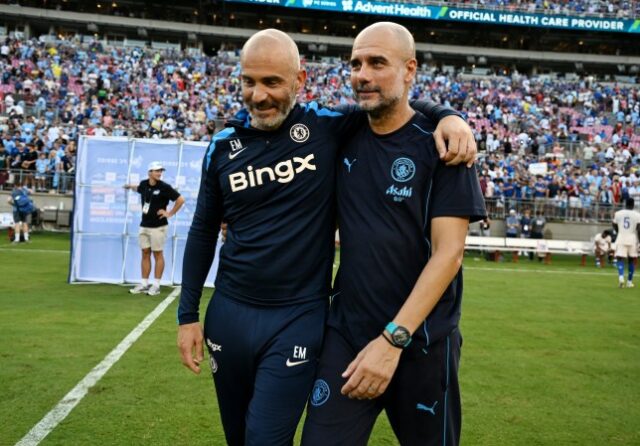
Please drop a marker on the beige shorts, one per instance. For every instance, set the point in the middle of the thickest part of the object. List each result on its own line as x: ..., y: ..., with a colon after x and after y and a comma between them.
x: 625, y: 251
x: 153, y: 238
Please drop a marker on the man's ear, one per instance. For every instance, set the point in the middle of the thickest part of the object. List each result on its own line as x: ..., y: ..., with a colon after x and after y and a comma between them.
x: 301, y: 79
x: 411, y: 66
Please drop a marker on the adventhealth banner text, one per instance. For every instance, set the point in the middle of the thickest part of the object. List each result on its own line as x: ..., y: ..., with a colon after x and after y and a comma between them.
x: 460, y: 14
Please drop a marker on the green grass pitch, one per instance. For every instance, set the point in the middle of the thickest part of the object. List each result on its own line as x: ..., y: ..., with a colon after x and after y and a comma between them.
x: 551, y: 356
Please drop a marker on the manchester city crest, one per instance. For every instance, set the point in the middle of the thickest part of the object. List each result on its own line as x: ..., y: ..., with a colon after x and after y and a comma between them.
x: 299, y: 132
x: 403, y: 169
x: 320, y: 393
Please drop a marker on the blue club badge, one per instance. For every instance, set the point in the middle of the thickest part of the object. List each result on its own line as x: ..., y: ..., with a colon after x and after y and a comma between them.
x: 320, y: 393
x: 403, y: 169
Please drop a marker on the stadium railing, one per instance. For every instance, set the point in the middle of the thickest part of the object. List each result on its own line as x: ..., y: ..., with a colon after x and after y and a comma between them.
x: 570, y: 210
x: 565, y: 210
x: 60, y: 182
x: 562, y: 150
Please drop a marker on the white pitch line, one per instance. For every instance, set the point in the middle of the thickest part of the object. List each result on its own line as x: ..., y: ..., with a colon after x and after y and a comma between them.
x: 57, y: 251
x: 546, y: 271
x: 71, y: 399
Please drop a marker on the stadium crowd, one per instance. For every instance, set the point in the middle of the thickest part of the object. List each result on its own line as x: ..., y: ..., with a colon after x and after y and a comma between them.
x: 572, y: 141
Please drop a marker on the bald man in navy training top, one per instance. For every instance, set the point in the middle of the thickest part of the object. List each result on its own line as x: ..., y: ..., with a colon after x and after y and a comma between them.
x: 271, y: 176
x: 392, y: 340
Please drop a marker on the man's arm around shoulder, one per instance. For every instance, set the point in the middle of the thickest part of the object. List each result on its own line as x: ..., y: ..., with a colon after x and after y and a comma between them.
x: 460, y: 146
x: 451, y: 127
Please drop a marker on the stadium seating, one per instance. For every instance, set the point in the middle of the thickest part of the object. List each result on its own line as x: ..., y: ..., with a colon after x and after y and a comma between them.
x: 52, y: 90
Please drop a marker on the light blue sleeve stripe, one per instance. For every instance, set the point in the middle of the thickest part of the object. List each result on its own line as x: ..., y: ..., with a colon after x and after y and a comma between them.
x: 421, y: 129
x: 222, y: 134
x: 313, y: 106
x: 327, y: 112
x: 446, y: 396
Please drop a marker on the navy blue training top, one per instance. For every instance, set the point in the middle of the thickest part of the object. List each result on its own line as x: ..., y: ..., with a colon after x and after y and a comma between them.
x: 390, y: 187
x: 276, y: 192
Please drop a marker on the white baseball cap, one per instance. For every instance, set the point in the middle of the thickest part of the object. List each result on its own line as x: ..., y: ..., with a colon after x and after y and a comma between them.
x: 155, y: 165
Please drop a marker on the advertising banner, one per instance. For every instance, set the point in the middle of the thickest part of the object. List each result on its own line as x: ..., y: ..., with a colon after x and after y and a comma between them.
x: 488, y: 16
x: 106, y: 217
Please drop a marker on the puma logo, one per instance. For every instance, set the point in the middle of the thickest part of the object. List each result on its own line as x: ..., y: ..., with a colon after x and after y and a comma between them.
x: 349, y: 163
x: 431, y: 410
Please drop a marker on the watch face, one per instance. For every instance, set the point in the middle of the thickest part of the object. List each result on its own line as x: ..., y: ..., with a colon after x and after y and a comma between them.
x: 401, y: 336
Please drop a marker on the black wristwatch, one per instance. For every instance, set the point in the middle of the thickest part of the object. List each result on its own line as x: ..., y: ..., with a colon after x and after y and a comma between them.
x: 400, y: 336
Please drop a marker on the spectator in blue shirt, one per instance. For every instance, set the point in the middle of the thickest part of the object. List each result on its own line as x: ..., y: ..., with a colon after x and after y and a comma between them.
x: 42, y: 168
x: 512, y: 224
x: 540, y: 189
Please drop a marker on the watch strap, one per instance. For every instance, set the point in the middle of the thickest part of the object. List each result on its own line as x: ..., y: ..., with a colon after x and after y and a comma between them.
x: 391, y: 327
